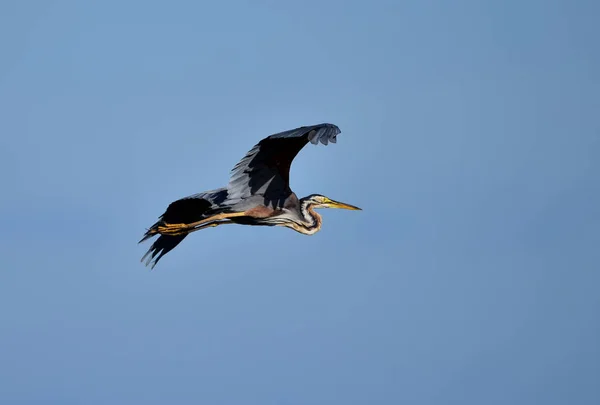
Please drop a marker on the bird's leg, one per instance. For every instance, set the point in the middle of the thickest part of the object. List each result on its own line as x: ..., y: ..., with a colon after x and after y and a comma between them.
x: 178, y: 229
x: 204, y: 226
x: 210, y: 225
x: 217, y: 218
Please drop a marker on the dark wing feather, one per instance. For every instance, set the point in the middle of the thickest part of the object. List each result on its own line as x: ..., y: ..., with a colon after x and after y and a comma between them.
x: 265, y: 168
x: 185, y: 210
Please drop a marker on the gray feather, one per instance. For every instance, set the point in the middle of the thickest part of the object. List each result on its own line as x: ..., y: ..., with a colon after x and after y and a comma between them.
x: 264, y: 171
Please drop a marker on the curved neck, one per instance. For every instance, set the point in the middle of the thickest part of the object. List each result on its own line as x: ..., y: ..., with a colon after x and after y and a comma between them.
x: 312, y: 220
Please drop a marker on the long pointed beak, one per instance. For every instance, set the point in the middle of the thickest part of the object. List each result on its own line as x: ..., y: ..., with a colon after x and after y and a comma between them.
x: 344, y: 206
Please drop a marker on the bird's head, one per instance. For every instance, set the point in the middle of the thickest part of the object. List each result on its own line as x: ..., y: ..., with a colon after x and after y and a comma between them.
x: 320, y: 201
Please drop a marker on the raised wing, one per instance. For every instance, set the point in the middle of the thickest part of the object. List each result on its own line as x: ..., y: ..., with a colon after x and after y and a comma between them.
x: 265, y: 169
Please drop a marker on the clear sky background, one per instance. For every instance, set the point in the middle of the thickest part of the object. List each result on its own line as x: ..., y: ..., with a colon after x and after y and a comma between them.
x: 470, y: 137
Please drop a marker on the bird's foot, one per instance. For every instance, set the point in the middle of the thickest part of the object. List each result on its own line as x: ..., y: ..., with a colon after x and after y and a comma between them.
x: 172, y: 229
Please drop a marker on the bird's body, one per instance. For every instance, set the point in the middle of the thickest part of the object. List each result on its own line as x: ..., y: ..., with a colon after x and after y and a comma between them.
x: 258, y: 193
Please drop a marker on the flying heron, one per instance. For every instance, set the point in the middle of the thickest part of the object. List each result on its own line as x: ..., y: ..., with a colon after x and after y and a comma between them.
x: 258, y: 193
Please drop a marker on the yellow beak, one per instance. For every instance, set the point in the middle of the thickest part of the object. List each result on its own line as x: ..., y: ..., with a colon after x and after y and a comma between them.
x: 337, y: 204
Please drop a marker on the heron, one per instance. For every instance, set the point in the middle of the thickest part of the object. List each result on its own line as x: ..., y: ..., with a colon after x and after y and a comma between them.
x: 258, y: 193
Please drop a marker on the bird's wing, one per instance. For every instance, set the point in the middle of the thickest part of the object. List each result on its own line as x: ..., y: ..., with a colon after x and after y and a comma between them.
x: 185, y: 210
x: 265, y: 168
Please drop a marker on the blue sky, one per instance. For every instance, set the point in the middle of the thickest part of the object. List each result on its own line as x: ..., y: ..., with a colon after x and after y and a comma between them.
x: 470, y: 138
